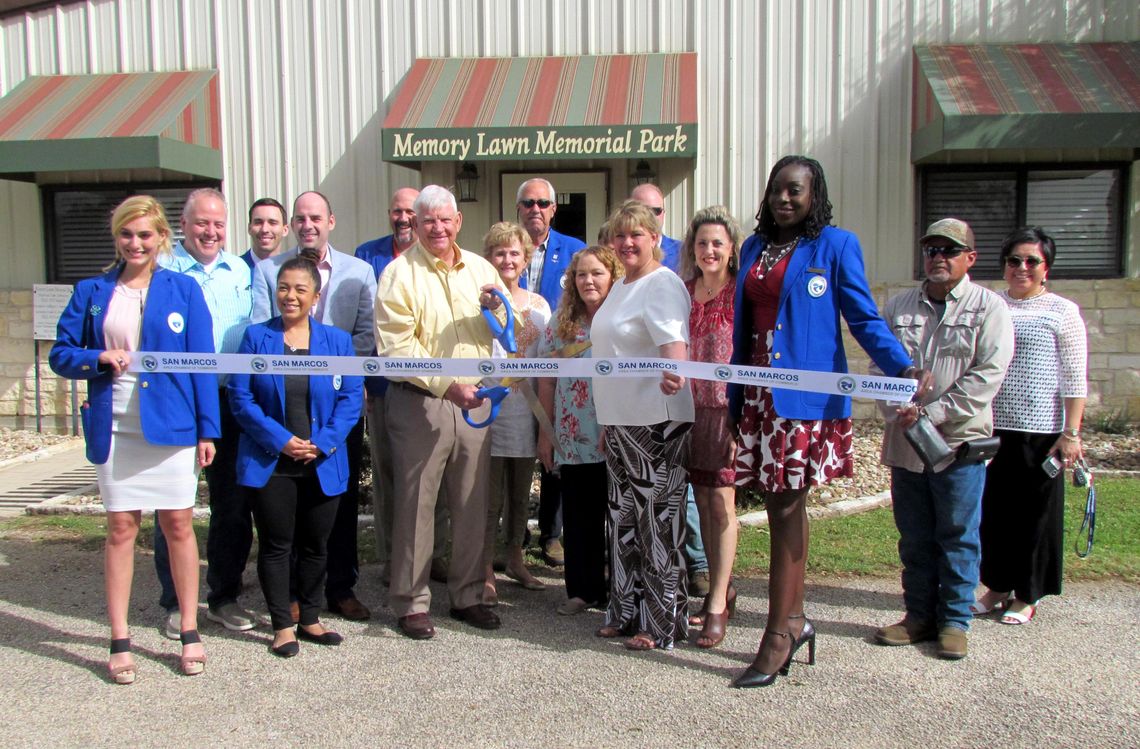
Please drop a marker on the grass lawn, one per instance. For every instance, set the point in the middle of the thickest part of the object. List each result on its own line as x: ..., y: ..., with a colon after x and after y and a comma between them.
x: 863, y: 544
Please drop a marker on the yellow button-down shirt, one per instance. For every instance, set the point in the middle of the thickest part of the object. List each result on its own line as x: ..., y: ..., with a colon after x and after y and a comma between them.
x: 427, y: 309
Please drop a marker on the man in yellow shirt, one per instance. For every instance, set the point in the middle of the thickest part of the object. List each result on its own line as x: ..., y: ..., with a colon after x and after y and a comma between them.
x: 428, y: 306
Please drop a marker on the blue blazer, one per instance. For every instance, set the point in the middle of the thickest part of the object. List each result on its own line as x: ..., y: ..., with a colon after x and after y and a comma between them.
x: 258, y: 404
x: 176, y: 408
x: 559, y: 249
x: 808, y: 334
x: 671, y: 253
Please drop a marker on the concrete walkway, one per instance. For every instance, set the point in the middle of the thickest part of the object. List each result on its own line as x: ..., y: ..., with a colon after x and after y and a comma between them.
x: 59, y: 469
x: 1067, y: 679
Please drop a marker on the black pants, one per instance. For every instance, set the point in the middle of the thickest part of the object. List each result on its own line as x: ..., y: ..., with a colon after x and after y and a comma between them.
x: 231, y: 525
x: 343, y: 564
x: 292, y: 515
x: 1023, y: 519
x: 549, y: 507
x: 584, y: 493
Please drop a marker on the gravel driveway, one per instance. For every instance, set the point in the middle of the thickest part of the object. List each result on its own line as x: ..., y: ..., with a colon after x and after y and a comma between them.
x: 1069, y: 678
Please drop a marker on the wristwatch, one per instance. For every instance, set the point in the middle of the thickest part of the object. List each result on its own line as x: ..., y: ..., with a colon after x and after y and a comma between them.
x: 1071, y: 433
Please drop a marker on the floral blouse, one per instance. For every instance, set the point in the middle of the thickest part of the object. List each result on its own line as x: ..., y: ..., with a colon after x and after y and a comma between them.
x: 575, y: 419
x: 710, y: 340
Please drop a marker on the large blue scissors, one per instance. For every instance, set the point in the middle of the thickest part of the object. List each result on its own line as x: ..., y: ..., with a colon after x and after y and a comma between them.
x: 505, y: 333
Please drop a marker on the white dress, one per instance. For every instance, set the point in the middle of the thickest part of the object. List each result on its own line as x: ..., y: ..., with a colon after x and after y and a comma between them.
x: 137, y: 474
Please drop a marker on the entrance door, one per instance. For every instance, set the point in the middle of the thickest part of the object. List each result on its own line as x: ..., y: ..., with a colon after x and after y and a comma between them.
x: 583, y: 199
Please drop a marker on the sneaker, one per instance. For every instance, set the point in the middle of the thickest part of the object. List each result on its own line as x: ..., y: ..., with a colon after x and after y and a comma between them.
x: 906, y: 632
x: 232, y: 617
x: 952, y: 643
x: 172, y: 628
x: 699, y: 584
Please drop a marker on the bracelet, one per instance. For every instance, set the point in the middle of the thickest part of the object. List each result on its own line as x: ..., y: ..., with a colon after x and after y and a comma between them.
x: 1073, y: 435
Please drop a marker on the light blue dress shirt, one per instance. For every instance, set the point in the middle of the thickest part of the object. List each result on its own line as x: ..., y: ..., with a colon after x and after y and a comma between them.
x: 227, y: 288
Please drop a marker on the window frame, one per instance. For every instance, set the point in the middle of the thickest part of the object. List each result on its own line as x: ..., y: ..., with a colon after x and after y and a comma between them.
x: 51, y: 236
x: 1021, y: 171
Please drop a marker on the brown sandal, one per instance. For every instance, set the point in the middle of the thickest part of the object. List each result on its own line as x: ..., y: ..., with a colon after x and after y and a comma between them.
x: 123, y: 673
x: 712, y: 634
x: 641, y: 641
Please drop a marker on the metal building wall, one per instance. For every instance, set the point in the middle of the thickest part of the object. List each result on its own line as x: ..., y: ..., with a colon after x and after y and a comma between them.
x: 304, y: 85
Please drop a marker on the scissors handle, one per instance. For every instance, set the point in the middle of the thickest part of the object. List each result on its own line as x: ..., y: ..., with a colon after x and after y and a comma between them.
x: 505, y: 333
x: 494, y: 394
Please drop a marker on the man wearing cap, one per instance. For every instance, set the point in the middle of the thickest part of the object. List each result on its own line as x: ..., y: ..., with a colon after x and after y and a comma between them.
x: 962, y: 334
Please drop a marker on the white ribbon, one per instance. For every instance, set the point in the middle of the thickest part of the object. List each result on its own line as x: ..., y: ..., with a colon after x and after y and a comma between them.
x: 831, y: 383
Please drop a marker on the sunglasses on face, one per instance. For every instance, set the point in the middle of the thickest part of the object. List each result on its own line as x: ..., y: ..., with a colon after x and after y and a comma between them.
x: 531, y: 203
x: 947, y: 252
x: 657, y: 210
x: 1013, y: 261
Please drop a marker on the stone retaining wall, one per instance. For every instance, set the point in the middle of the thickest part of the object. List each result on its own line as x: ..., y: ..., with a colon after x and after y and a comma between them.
x: 1111, y: 307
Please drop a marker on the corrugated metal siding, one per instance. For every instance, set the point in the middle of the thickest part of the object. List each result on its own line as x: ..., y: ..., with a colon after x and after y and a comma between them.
x: 304, y: 85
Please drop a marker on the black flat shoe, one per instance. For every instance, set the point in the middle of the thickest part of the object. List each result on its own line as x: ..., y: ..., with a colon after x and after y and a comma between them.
x: 328, y: 637
x: 286, y: 649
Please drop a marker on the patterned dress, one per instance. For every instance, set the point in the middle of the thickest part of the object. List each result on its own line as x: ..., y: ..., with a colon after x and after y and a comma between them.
x: 776, y: 454
x: 712, y: 449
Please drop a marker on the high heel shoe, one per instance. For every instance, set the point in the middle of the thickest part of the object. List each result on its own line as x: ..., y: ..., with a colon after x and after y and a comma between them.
x: 712, y: 633
x: 698, y: 619
x: 754, y: 677
x: 192, y: 665
x: 807, y: 634
x: 125, y: 673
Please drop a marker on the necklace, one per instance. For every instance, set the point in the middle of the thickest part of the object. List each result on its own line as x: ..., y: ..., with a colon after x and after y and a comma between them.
x: 707, y: 290
x: 294, y: 349
x: 773, y: 254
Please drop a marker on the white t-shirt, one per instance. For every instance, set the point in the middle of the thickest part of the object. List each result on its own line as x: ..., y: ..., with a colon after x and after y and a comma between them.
x: 635, y: 320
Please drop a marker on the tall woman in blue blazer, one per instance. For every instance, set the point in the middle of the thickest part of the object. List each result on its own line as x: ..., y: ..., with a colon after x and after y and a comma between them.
x: 799, y: 275
x: 291, y: 452
x: 148, y: 433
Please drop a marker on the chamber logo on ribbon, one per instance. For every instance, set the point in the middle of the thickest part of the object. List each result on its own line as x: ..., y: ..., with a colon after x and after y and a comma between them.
x: 258, y: 364
x: 603, y: 367
x: 371, y: 366
x: 723, y: 373
x: 846, y: 385
x: 486, y: 367
x: 149, y: 363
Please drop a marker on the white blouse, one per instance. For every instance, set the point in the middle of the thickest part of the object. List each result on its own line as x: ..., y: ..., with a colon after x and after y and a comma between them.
x: 1050, y: 363
x: 634, y: 321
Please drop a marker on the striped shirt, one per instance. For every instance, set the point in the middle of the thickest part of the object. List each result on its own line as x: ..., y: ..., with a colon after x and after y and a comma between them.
x: 228, y: 293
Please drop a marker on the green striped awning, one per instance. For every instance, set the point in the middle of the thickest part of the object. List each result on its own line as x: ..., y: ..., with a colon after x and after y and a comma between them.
x: 601, y: 106
x: 1015, y: 96
x: 56, y: 123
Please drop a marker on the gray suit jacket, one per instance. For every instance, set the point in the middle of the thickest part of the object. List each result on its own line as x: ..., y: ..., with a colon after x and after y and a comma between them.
x: 345, y: 304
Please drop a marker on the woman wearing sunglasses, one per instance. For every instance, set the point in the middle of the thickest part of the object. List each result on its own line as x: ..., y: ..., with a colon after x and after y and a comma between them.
x: 1037, y: 414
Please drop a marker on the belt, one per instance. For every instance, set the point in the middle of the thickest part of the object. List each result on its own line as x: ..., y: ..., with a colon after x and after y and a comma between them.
x: 411, y: 388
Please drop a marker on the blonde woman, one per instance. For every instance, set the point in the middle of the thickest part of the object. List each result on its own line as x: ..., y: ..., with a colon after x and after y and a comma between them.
x: 569, y: 403
x: 147, y: 433
x: 508, y: 248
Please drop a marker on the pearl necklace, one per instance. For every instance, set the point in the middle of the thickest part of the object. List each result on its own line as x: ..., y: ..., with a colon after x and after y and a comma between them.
x: 773, y: 254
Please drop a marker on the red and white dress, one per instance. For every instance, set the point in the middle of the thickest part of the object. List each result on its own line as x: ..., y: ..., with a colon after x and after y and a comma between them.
x: 775, y: 454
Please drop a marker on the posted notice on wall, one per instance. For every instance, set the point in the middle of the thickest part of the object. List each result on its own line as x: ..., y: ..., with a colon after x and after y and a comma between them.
x: 48, y: 303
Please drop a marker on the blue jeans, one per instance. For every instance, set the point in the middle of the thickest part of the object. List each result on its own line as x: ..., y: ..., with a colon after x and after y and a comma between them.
x: 694, y: 545
x: 938, y: 515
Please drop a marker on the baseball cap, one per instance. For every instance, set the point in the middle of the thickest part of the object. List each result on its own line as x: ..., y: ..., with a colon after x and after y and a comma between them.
x: 954, y: 229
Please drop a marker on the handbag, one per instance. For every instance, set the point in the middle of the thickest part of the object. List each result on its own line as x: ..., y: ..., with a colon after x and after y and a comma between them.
x: 927, y: 441
x: 978, y: 451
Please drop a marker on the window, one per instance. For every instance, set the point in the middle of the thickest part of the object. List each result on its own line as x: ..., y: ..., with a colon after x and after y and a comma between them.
x: 78, y: 225
x: 1081, y: 207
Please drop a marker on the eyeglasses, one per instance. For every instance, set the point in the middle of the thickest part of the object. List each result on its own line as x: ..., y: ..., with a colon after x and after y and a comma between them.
x: 1013, y: 261
x: 657, y: 210
x: 947, y: 252
x: 531, y: 203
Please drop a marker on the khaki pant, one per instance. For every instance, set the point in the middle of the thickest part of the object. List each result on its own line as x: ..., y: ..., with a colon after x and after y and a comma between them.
x: 440, y: 458
x: 380, y: 448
